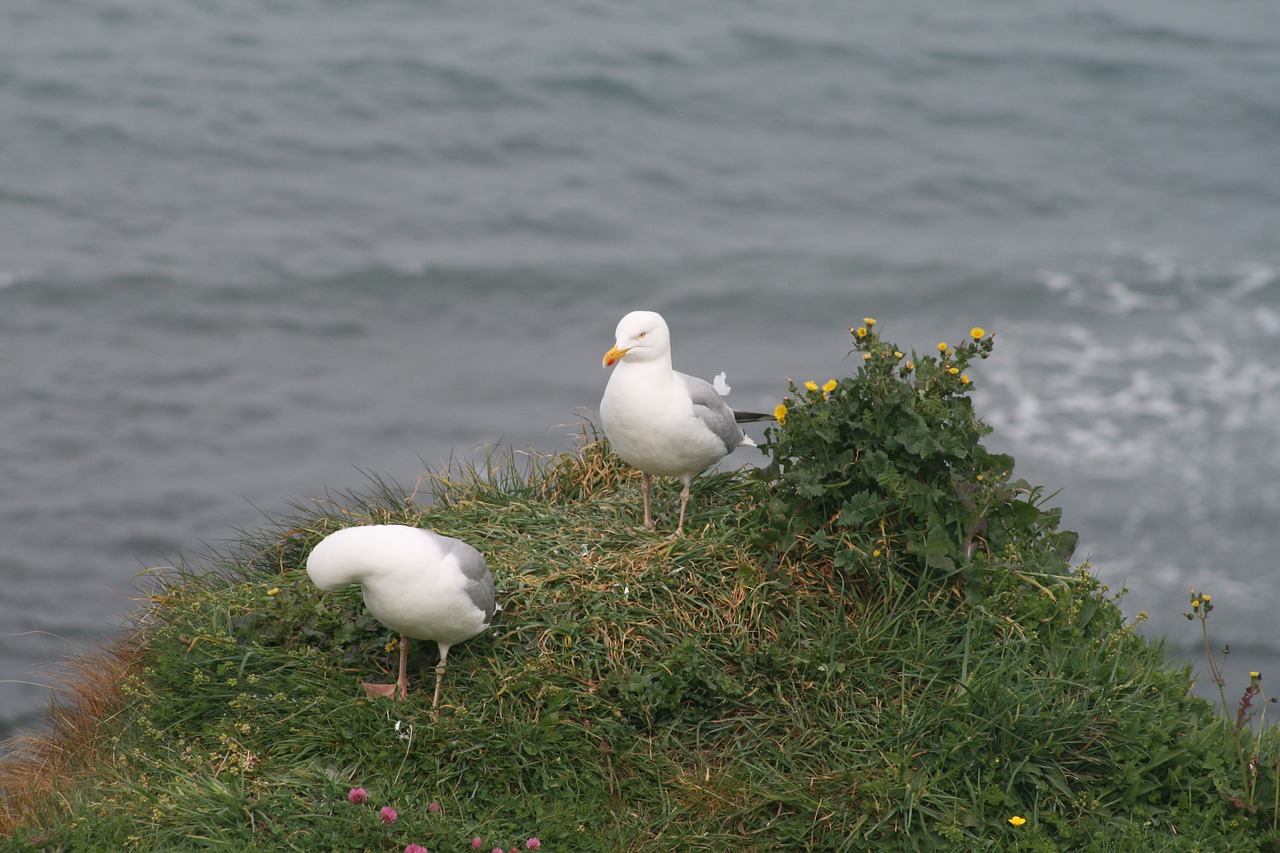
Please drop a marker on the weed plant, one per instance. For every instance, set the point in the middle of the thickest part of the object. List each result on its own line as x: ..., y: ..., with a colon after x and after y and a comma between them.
x: 877, y: 646
x: 1241, y: 782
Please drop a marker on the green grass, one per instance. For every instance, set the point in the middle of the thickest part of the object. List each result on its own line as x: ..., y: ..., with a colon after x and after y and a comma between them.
x: 636, y: 693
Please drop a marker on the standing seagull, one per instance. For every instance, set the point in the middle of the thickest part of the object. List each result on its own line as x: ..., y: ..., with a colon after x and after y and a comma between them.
x: 422, y: 584
x: 665, y: 423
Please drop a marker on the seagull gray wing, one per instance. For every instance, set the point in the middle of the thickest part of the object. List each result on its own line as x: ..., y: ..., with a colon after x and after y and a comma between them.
x: 713, y: 411
x: 476, y: 570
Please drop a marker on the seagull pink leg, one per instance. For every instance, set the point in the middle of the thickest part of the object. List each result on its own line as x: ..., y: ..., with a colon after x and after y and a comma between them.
x: 444, y: 654
x: 684, y: 502
x: 402, y: 683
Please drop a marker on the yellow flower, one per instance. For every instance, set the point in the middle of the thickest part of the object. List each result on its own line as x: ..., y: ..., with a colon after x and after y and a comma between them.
x: 875, y: 553
x: 811, y: 385
x: 1206, y: 596
x: 953, y: 370
x: 1017, y: 820
x: 897, y: 354
x: 275, y: 590
x: 780, y: 413
x: 977, y: 332
x: 862, y: 332
x: 866, y: 356
x: 942, y: 347
x: 1254, y: 674
x: 979, y: 478
x: 870, y: 321
x: 829, y: 386
x: 1195, y: 604
x: 391, y: 644
x: 911, y: 365
x: 964, y: 379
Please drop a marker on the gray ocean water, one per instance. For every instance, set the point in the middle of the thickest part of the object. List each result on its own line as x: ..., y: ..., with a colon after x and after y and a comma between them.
x: 251, y: 252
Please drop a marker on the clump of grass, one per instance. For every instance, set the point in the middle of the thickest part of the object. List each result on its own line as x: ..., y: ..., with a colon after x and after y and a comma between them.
x: 709, y: 692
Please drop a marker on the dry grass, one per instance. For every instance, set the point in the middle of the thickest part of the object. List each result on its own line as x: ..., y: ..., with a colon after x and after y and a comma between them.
x: 71, y: 747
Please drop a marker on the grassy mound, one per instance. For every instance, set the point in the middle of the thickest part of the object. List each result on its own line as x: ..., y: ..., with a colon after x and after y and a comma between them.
x: 636, y: 692
x: 717, y: 691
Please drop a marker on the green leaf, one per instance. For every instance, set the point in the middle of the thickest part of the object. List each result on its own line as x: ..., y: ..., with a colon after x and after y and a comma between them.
x: 860, y: 508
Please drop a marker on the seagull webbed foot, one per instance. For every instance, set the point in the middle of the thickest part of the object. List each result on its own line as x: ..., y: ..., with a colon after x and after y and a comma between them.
x: 388, y: 691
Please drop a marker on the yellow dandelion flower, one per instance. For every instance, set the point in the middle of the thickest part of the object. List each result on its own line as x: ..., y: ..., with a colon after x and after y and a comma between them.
x: 964, y: 380
x: 829, y: 386
x: 1206, y: 596
x: 977, y: 332
x: 875, y: 553
x: 811, y: 385
x: 953, y: 370
x: 1195, y: 604
x: 1017, y: 820
x: 911, y: 365
x: 275, y: 590
x: 780, y: 413
x: 979, y: 478
x: 866, y: 356
x: 1255, y: 674
x: 862, y: 332
x: 391, y: 644
x: 942, y: 346
x: 897, y: 354
x: 870, y: 321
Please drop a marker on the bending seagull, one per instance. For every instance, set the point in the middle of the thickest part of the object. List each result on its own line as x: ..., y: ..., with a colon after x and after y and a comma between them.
x: 665, y: 423
x: 421, y: 584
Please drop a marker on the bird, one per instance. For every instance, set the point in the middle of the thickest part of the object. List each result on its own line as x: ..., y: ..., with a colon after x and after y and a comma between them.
x: 415, y: 581
x: 665, y: 423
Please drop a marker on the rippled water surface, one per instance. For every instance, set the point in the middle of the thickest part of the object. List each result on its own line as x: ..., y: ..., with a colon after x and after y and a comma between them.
x: 251, y: 252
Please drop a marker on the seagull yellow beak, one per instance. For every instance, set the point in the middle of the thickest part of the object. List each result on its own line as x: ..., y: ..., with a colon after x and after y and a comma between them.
x: 612, y: 356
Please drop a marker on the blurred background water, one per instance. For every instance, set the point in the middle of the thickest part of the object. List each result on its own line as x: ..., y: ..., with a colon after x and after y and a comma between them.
x: 251, y: 252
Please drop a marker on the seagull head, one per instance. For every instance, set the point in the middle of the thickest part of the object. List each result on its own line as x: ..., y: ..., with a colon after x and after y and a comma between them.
x: 641, y: 336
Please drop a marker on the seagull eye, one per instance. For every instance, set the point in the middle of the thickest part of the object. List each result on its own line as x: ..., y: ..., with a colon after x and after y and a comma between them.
x: 642, y: 334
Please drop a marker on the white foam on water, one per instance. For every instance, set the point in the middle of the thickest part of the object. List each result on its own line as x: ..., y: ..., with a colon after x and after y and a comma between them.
x: 1155, y: 394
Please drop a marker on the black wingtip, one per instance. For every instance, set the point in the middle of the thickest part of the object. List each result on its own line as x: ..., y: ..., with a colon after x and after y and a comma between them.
x: 751, y: 417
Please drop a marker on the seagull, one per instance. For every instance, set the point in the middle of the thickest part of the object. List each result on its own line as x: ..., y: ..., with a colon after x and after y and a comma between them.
x: 665, y: 423
x: 419, y: 583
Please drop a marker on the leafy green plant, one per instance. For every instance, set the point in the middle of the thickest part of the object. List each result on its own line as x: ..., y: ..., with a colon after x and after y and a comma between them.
x: 886, y: 468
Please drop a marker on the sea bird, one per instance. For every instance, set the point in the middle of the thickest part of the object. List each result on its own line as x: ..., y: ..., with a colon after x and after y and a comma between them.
x: 419, y: 583
x: 665, y: 423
